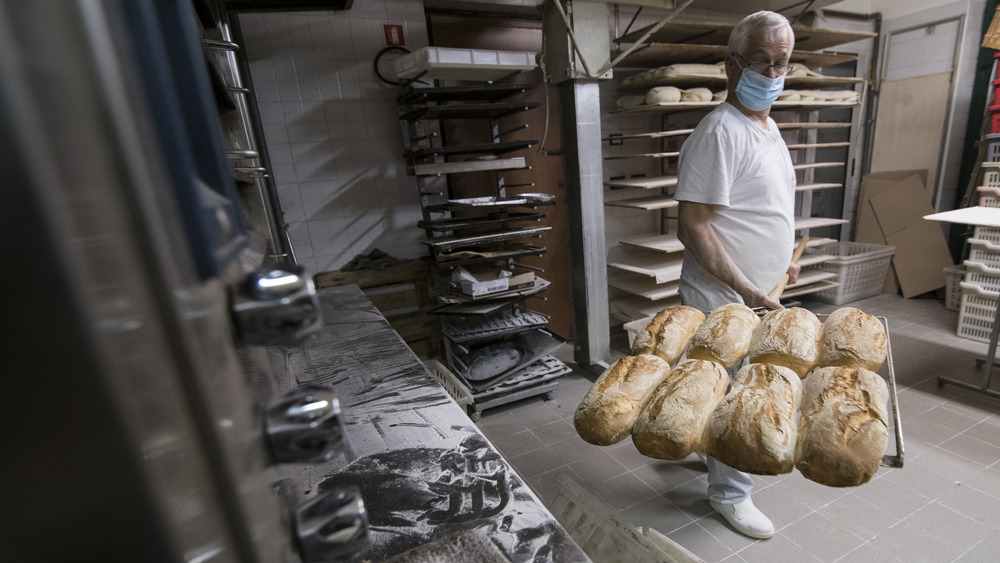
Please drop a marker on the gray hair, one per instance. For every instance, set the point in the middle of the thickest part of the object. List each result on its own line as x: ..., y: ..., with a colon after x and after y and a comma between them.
x: 763, y: 25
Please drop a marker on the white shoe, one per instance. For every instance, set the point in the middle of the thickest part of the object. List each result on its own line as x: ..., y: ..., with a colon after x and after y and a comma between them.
x: 746, y: 518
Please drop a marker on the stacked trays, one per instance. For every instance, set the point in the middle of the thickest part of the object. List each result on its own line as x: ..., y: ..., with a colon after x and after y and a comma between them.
x: 980, y: 286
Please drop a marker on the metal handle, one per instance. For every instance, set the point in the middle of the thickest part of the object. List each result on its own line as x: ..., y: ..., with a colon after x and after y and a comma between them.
x: 332, y: 526
x: 276, y: 306
x: 304, y: 425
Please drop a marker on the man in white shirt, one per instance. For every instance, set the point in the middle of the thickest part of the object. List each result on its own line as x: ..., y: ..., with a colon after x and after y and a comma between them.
x: 736, y: 188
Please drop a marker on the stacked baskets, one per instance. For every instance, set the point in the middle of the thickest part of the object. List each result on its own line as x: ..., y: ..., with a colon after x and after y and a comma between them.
x: 980, y: 287
x: 860, y: 267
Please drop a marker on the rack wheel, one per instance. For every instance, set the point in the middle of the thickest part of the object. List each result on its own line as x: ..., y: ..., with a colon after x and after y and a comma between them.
x: 475, y: 415
x: 550, y: 395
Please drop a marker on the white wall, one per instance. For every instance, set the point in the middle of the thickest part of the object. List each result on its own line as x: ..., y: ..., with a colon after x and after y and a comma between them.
x: 329, y: 126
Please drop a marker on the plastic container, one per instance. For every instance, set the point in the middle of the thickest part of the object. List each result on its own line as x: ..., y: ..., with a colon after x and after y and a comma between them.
x: 953, y: 287
x: 985, y: 252
x: 984, y: 276
x: 451, y: 384
x: 860, y: 267
x: 978, y: 311
x: 633, y: 328
x: 463, y: 64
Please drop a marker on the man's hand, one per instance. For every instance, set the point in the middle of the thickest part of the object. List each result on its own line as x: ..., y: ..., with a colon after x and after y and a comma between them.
x: 793, y: 272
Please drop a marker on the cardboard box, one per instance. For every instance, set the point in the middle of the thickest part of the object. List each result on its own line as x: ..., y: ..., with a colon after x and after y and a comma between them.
x: 891, y: 210
x: 488, y: 283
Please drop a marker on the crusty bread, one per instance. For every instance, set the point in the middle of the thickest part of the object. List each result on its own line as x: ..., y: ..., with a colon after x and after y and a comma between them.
x: 852, y: 338
x: 725, y: 335
x: 844, y: 428
x: 787, y: 337
x: 663, y: 95
x: 753, y: 429
x: 609, y: 409
x: 672, y: 422
x: 668, y: 333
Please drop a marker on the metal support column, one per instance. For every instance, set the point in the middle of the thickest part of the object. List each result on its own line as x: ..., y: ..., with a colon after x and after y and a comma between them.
x: 581, y: 130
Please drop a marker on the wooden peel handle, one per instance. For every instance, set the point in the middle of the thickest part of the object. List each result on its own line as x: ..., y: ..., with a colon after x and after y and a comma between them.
x: 776, y: 292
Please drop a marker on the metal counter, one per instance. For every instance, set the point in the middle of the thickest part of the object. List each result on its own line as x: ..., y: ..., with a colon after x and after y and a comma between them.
x: 424, y: 469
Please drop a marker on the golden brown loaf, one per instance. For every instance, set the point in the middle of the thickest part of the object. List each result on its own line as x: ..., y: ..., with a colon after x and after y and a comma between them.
x: 668, y: 333
x: 671, y: 424
x: 725, y: 335
x: 852, y: 338
x: 843, y: 429
x: 787, y: 337
x: 609, y: 409
x: 753, y: 429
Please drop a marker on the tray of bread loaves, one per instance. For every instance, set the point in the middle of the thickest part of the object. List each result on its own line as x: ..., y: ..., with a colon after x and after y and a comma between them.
x: 810, y: 397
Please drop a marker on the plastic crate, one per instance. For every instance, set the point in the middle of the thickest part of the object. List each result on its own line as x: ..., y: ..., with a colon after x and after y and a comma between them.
x: 451, y: 384
x: 462, y: 64
x: 984, y: 252
x: 860, y: 267
x: 978, y: 311
x: 988, y: 234
x: 953, y: 287
x: 633, y: 328
x: 984, y: 276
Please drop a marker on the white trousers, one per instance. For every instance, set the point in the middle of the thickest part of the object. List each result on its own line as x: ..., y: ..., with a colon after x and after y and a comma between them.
x: 725, y: 484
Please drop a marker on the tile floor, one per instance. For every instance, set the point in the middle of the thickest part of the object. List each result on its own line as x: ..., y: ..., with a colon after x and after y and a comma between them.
x: 942, y: 505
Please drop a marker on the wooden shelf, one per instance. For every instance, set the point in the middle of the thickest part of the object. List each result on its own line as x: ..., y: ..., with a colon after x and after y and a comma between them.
x: 678, y: 107
x: 660, y: 243
x: 642, y: 286
x: 645, y: 155
x: 795, y: 147
x: 804, y: 223
x: 655, y: 55
x: 811, y: 125
x: 617, y: 139
x: 662, y: 268
x: 655, y: 182
x: 645, y: 203
x: 717, y: 82
x: 716, y: 33
x: 633, y: 308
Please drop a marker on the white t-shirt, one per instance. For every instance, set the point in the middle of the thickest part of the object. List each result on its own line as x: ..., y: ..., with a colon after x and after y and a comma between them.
x: 730, y: 161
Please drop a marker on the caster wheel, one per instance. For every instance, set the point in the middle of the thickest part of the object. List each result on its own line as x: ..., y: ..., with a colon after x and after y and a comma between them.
x: 550, y: 395
x: 475, y: 416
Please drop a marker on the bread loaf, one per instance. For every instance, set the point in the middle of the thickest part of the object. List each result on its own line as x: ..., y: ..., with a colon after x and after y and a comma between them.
x: 725, y: 335
x: 852, y: 338
x: 787, y: 337
x: 672, y: 422
x: 663, y: 95
x: 843, y: 428
x: 609, y: 409
x: 668, y: 333
x: 696, y: 95
x: 753, y: 429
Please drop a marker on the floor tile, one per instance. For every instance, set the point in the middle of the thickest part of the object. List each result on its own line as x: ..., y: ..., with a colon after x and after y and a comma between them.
x: 942, y: 505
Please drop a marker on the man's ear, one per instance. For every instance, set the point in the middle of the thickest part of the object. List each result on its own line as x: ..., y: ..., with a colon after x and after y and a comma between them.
x: 732, y: 67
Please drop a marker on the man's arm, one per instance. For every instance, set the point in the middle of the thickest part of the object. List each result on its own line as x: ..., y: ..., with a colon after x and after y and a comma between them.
x: 698, y: 237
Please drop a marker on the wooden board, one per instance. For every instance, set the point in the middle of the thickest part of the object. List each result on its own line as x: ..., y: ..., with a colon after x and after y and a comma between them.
x: 660, y: 267
x: 660, y: 243
x: 803, y: 223
x: 654, y: 182
x: 800, y: 146
x: 645, y: 155
x: 632, y: 308
x: 655, y: 55
x: 646, y: 203
x: 717, y: 33
x: 642, y: 286
x: 816, y: 186
x: 910, y: 125
x: 678, y: 107
x: 717, y: 82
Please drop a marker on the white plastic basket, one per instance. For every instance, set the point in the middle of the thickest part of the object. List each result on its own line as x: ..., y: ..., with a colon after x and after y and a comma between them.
x: 451, y: 384
x: 978, y: 311
x: 984, y: 276
x: 471, y: 64
x: 633, y: 328
x: 953, y: 287
x: 988, y: 234
x: 984, y: 252
x: 860, y: 268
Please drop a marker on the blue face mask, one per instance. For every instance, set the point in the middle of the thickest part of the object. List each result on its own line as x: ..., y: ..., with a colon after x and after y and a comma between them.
x: 757, y: 92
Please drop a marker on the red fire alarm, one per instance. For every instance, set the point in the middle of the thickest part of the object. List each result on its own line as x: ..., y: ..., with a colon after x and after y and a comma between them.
x: 393, y: 34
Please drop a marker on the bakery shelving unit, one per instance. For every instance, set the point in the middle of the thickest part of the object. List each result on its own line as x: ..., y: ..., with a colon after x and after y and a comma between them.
x: 496, y: 348
x: 647, y: 269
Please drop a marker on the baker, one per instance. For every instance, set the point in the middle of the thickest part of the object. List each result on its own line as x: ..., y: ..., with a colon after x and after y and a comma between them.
x: 736, y: 188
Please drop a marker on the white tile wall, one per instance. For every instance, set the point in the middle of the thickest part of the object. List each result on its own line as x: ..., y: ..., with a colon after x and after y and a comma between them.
x: 330, y: 129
